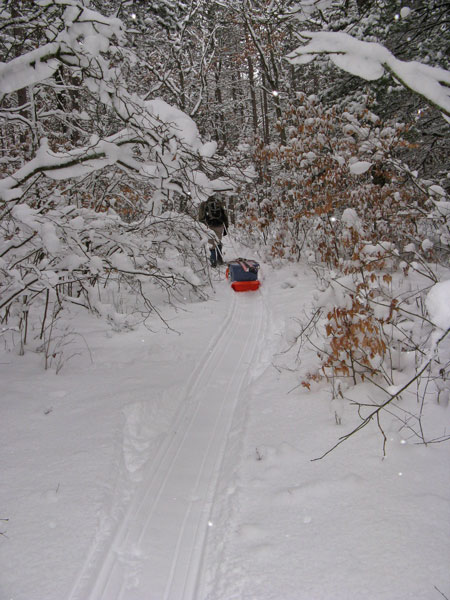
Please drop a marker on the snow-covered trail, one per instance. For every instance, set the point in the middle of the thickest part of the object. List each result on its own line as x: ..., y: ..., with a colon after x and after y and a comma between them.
x: 157, y: 550
x: 113, y: 471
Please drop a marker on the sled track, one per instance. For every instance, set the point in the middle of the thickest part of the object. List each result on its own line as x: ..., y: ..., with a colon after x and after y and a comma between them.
x: 157, y: 550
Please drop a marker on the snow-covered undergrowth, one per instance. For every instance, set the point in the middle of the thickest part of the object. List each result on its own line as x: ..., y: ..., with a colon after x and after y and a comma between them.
x: 72, y: 256
x: 377, y: 236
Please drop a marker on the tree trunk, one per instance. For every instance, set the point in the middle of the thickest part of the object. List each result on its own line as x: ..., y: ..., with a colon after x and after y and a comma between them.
x: 251, y: 81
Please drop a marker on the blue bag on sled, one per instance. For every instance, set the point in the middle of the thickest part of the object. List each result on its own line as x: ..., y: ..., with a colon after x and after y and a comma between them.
x: 243, y: 274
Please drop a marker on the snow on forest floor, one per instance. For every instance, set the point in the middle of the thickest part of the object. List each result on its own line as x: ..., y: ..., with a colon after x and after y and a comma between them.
x: 168, y: 464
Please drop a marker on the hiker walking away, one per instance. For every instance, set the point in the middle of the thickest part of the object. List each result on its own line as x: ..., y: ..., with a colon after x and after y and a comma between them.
x: 213, y: 214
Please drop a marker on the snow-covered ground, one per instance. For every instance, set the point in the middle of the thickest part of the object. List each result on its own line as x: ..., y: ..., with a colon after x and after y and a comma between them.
x: 177, y: 464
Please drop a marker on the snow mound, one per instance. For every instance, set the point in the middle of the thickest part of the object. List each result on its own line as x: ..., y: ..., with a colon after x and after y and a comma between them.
x: 438, y: 305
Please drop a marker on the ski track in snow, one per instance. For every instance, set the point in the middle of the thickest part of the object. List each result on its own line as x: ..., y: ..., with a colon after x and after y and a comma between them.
x: 157, y: 550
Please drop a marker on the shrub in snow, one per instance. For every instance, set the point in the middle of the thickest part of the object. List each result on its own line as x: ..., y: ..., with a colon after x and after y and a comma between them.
x: 389, y: 330
x: 305, y: 185
x: 376, y: 231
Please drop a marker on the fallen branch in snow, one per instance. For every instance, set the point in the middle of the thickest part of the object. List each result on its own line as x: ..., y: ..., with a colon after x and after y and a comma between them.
x: 441, y: 593
x: 298, y: 338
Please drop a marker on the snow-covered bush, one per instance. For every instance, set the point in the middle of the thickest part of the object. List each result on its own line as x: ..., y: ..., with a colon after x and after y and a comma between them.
x: 333, y: 160
x: 338, y: 194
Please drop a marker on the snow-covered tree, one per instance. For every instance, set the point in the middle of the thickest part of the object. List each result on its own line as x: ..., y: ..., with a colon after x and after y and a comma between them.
x: 409, y: 33
x: 92, y: 173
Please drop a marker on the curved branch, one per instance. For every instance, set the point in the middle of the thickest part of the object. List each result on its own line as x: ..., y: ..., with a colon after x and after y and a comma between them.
x: 370, y: 60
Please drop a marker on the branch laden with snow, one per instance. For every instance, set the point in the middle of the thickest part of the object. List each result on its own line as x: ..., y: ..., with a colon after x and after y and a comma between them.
x: 172, y: 138
x: 370, y: 60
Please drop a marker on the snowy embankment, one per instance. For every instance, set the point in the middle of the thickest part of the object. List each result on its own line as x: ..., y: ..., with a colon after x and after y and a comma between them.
x: 177, y: 464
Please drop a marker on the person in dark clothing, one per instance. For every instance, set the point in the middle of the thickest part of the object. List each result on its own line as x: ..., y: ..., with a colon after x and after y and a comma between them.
x: 213, y: 214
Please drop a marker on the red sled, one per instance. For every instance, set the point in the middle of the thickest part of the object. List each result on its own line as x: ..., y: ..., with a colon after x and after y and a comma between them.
x: 245, y: 286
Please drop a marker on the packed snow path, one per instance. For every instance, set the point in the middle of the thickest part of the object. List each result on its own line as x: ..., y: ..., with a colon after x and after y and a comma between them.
x: 157, y: 550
